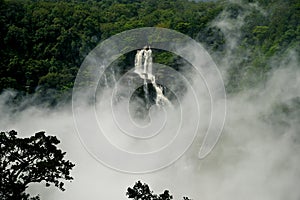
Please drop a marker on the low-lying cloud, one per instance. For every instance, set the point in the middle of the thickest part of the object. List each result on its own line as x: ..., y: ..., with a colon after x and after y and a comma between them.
x: 257, y: 156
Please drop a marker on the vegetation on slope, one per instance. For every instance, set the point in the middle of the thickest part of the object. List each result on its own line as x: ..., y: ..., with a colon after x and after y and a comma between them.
x: 43, y: 42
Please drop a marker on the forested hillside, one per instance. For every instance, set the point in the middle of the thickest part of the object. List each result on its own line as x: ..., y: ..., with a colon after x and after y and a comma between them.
x: 42, y: 43
x: 196, y: 139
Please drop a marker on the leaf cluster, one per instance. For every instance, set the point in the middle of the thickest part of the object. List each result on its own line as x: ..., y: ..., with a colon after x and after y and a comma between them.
x: 141, y: 191
x: 30, y: 160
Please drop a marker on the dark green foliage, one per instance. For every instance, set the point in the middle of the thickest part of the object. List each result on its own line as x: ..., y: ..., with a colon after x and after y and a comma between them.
x: 142, y: 191
x: 268, y: 33
x: 43, y: 42
x: 30, y: 160
x: 276, y: 29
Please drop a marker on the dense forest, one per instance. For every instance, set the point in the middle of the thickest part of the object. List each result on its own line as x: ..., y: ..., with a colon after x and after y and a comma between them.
x: 43, y: 42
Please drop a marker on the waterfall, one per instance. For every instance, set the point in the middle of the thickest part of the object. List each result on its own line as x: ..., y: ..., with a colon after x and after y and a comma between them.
x: 148, y: 61
x: 138, y: 61
x: 143, y: 67
x: 146, y: 93
x: 160, y: 97
x: 114, y: 80
x: 143, y: 63
x: 105, y: 81
x: 113, y: 75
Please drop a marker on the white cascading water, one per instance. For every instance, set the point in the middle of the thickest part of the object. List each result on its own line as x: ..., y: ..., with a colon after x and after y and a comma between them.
x: 113, y: 74
x: 146, y: 93
x: 105, y: 81
x: 160, y: 97
x: 138, y: 61
x: 148, y: 61
x: 143, y: 67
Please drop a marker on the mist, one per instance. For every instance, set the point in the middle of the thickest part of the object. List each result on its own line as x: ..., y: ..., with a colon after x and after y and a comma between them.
x: 256, y: 157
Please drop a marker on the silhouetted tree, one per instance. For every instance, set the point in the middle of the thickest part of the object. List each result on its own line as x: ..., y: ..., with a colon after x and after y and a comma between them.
x: 30, y: 160
x: 142, y: 191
